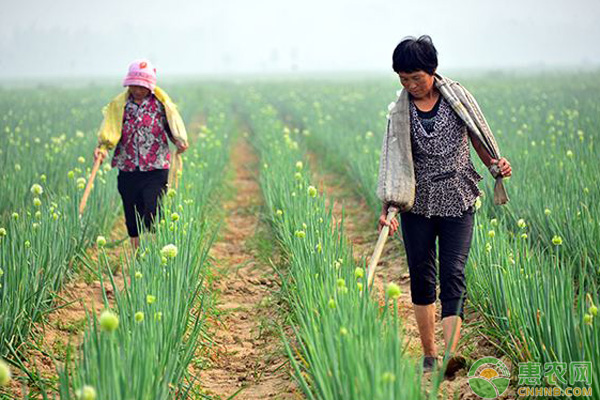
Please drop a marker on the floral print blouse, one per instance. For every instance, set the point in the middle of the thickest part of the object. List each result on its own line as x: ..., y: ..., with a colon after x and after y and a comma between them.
x: 144, y: 138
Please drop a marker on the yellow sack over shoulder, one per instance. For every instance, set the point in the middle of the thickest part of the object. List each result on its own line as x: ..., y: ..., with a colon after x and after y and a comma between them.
x: 112, y: 125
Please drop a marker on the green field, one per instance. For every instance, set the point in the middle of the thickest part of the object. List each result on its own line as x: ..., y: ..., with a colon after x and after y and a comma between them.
x: 533, y: 271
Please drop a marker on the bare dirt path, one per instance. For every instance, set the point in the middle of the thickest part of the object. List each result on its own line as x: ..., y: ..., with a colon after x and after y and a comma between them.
x: 247, y: 354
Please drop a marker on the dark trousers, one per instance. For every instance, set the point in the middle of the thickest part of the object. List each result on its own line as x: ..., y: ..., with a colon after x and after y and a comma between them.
x: 141, y: 192
x: 454, y: 236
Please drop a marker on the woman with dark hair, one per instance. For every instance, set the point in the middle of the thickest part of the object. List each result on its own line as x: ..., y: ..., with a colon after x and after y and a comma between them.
x: 426, y: 172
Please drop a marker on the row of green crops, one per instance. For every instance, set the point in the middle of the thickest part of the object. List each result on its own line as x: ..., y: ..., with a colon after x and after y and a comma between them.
x: 41, y: 233
x: 533, y: 270
x: 531, y: 304
x: 141, y: 347
x: 346, y: 346
x: 47, y: 135
x: 546, y: 126
x: 37, y: 250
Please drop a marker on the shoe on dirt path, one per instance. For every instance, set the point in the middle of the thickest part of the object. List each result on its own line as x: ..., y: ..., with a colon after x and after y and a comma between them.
x: 429, y: 363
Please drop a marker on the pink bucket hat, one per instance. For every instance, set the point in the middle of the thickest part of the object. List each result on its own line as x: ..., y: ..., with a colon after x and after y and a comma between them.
x: 141, y: 73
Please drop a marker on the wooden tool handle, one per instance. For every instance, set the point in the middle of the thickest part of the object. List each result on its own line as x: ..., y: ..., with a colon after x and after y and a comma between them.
x: 383, y: 235
x: 90, y: 183
x: 173, y: 172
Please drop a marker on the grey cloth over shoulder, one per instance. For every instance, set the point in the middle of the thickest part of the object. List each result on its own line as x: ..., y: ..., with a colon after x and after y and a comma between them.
x: 396, y: 183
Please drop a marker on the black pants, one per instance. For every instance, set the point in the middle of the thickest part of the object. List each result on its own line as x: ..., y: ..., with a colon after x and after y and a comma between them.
x: 141, y: 192
x: 454, y: 235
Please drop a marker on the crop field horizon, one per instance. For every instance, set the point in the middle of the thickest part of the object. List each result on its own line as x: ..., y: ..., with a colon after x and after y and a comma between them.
x: 253, y: 283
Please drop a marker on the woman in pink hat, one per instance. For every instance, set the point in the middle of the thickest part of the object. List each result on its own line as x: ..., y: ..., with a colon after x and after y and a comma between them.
x: 138, y: 124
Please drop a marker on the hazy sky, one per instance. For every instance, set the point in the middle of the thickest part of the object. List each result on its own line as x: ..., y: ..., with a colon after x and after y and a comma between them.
x: 99, y: 38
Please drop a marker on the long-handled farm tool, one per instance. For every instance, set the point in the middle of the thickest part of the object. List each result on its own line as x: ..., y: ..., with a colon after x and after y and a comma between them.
x: 383, y: 235
x: 90, y: 184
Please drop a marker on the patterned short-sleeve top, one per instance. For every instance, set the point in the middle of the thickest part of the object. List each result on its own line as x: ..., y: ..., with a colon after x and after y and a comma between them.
x: 144, y: 137
x: 446, y: 180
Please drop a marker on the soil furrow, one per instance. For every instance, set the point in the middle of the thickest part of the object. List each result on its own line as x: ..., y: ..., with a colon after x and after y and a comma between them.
x: 247, y: 354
